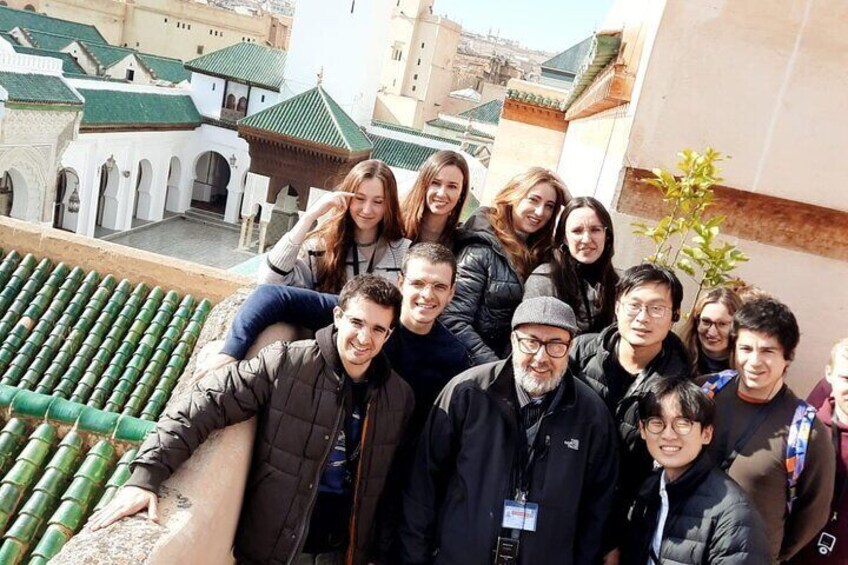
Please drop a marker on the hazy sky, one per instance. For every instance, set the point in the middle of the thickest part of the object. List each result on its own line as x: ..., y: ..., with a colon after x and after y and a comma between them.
x: 551, y: 25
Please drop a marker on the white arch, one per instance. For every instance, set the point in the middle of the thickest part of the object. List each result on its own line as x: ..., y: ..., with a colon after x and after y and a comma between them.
x: 31, y: 186
x: 143, y: 197
x: 63, y: 218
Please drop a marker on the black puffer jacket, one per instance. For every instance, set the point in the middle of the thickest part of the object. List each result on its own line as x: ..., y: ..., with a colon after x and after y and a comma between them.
x: 488, y: 290
x: 467, y: 463
x: 593, y: 360
x: 710, y: 521
x: 296, y: 391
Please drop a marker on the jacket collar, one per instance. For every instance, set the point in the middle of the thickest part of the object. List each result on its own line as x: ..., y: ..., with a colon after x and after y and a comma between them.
x: 683, y: 486
x: 671, y: 361
x: 377, y: 372
x: 503, y: 386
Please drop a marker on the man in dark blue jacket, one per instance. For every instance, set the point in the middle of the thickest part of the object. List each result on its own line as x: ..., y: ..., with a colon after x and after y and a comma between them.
x: 518, y: 459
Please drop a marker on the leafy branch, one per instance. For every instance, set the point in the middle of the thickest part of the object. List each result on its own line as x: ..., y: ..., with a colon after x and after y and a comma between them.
x: 687, y: 196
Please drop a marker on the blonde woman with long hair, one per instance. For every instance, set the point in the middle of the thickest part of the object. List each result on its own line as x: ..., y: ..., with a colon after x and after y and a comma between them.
x: 363, y: 234
x: 499, y: 247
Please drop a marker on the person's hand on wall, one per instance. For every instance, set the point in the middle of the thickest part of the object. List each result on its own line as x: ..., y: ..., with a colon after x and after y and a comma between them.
x: 127, y: 501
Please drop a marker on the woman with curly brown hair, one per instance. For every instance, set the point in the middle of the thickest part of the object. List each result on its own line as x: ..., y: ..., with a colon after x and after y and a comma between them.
x: 580, y: 272
x: 499, y: 247
x: 707, y: 331
x: 363, y: 234
x: 432, y: 208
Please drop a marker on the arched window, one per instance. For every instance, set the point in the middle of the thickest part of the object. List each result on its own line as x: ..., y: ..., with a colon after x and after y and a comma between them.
x: 29, y: 8
x: 231, y: 101
x: 242, y: 104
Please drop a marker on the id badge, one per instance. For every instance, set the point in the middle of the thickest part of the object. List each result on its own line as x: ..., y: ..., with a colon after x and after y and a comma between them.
x: 520, y: 515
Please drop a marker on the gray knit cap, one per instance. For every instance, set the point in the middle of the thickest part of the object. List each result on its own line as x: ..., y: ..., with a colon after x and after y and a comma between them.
x: 546, y: 311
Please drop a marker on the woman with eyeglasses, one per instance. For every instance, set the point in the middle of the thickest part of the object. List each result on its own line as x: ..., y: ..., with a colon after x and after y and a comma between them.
x: 707, y: 331
x: 363, y: 234
x: 498, y: 248
x: 581, y: 272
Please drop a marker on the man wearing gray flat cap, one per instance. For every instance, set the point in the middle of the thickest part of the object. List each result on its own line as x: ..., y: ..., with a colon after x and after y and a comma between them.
x: 518, y: 460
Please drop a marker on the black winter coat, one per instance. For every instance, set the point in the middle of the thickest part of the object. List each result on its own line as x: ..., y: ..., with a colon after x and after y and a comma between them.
x: 472, y: 443
x: 296, y: 391
x: 488, y: 290
x: 710, y: 521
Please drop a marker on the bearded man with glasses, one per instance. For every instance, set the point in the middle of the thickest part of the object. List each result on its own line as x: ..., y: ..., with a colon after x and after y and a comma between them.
x: 623, y: 360
x: 518, y: 460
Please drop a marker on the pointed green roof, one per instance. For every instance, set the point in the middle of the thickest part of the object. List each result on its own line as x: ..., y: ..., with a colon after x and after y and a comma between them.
x: 46, y: 40
x: 490, y: 112
x: 245, y: 62
x: 570, y: 60
x: 311, y: 116
x: 11, y: 18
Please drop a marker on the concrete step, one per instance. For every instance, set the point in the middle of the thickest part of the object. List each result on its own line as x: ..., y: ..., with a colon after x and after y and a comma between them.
x: 209, y: 218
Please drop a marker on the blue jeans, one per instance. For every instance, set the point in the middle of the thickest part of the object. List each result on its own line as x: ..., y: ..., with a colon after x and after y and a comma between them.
x: 273, y: 303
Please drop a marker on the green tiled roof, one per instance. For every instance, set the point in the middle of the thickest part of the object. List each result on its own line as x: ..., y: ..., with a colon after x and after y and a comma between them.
x: 412, y: 131
x: 45, y: 40
x: 69, y: 64
x: 311, y: 116
x: 400, y: 154
x: 453, y: 126
x: 245, y: 62
x: 37, y: 89
x: 165, y: 68
x: 114, y: 108
x: 572, y: 59
x: 85, y: 360
x: 11, y: 18
x: 604, y: 50
x: 106, y: 55
x: 490, y: 112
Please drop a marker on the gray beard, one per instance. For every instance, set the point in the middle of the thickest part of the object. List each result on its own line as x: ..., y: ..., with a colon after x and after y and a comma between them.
x: 532, y: 385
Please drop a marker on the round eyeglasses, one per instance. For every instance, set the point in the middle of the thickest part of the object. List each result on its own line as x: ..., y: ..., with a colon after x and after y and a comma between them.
x: 681, y: 426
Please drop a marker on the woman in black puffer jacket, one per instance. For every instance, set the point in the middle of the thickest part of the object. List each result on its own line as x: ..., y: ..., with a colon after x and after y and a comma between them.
x: 497, y: 248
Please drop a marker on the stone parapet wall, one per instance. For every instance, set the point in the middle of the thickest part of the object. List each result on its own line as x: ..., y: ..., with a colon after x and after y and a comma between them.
x: 123, y: 262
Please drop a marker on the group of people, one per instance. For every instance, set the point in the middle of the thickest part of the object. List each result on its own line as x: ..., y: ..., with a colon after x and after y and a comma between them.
x: 495, y: 391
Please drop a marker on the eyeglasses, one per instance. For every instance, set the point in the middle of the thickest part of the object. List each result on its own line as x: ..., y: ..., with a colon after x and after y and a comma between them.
x: 593, y: 231
x: 531, y: 346
x: 632, y: 309
x: 705, y: 324
x: 681, y: 426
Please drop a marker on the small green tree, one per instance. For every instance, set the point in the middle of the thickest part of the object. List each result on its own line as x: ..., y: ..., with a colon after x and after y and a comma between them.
x: 685, y: 240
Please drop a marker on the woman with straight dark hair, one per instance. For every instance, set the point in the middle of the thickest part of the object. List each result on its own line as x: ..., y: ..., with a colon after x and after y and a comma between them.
x: 432, y: 208
x: 363, y: 234
x: 581, y: 273
x: 499, y: 247
x: 706, y: 334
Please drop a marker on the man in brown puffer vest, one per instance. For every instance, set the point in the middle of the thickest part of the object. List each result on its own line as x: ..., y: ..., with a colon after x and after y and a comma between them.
x: 331, y: 415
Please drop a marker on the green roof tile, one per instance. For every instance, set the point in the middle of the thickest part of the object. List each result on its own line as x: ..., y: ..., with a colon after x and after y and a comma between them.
x: 165, y: 68
x: 311, y: 116
x: 401, y: 154
x: 69, y: 64
x: 453, y: 126
x: 46, y: 40
x: 113, y: 108
x: 11, y: 18
x: 37, y: 89
x: 490, y: 112
x: 245, y: 62
x: 412, y: 131
x: 604, y: 50
x: 571, y: 60
x: 106, y: 55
